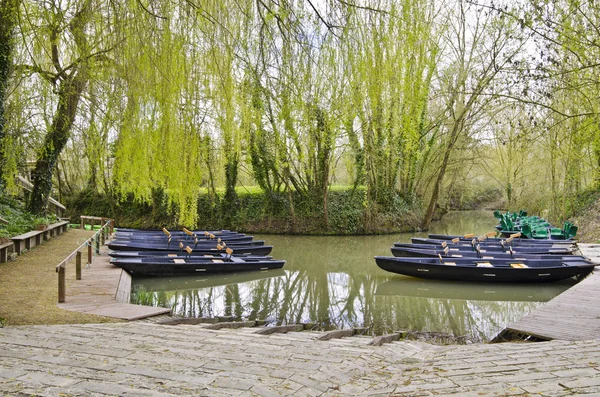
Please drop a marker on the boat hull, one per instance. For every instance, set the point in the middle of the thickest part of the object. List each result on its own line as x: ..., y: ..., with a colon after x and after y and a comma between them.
x: 150, y: 246
x: 166, y: 267
x: 458, y: 248
x: 467, y: 270
x: 408, y: 252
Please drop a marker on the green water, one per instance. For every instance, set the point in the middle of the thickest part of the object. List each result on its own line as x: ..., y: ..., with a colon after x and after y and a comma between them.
x: 333, y: 281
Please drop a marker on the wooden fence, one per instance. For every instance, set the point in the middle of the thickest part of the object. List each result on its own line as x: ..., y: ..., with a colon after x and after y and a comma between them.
x: 93, y: 246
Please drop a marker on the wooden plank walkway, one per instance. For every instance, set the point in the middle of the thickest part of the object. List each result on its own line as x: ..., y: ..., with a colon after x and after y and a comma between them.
x: 104, y: 290
x: 573, y: 315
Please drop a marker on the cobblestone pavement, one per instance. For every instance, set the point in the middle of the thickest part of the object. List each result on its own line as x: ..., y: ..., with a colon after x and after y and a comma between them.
x: 146, y: 359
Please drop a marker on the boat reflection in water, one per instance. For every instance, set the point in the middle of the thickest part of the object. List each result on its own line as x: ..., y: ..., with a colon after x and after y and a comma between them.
x: 333, y: 281
x: 414, y: 287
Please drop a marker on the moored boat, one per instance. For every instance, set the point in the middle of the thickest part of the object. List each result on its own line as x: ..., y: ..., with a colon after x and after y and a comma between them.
x: 237, y: 250
x: 458, y: 248
x: 491, y: 238
x: 446, y: 252
x: 137, y: 245
x: 161, y: 266
x: 215, y: 254
x: 487, y: 270
x: 494, y: 242
x: 185, y: 238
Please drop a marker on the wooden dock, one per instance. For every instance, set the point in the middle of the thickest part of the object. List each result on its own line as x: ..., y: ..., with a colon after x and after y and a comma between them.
x: 573, y: 315
x: 104, y: 290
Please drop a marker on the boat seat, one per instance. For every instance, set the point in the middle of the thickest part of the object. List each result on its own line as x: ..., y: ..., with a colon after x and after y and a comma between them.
x: 518, y: 265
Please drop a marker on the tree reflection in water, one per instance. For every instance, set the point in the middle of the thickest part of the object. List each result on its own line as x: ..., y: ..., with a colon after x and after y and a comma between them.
x: 335, y: 283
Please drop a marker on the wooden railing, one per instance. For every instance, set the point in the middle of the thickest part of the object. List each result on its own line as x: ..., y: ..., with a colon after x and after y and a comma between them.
x: 91, y: 220
x: 93, y: 245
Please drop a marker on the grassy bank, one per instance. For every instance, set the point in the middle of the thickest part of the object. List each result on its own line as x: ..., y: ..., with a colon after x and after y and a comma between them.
x: 28, y: 285
x: 258, y: 212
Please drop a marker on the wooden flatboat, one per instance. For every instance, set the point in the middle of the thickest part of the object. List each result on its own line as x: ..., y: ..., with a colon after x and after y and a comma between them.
x: 495, y: 242
x: 184, y: 238
x: 155, y: 266
x: 487, y: 270
x: 122, y: 245
x: 237, y: 250
x: 434, y: 252
x: 488, y: 248
x: 516, y: 238
x: 182, y: 254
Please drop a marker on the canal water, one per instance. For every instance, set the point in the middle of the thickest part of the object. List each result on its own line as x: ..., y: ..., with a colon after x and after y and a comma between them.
x: 333, y: 281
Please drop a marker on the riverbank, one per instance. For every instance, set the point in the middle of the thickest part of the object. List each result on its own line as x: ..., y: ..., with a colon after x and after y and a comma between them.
x: 589, y: 224
x: 28, y: 285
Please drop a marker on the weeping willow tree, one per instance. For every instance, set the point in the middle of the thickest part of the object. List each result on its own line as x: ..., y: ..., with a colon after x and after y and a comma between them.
x: 56, y: 46
x: 224, y: 32
x: 390, y: 61
x: 156, y: 148
x: 292, y: 89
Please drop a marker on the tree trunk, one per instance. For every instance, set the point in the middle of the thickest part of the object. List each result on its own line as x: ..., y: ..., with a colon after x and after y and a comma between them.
x: 456, y: 129
x: 435, y: 194
x: 68, y: 98
x: 7, y: 10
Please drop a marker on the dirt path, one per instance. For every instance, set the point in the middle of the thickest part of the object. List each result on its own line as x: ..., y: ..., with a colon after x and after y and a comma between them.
x: 28, y: 285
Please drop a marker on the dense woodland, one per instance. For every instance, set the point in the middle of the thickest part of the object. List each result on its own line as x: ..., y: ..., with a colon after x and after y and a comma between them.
x: 333, y: 110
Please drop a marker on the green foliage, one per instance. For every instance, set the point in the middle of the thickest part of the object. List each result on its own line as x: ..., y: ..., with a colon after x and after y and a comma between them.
x: 19, y: 219
x: 581, y: 201
x: 257, y: 212
x: 159, y: 101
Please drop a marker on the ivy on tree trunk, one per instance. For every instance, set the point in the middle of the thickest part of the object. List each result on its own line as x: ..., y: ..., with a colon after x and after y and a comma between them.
x: 7, y: 14
x: 69, y: 95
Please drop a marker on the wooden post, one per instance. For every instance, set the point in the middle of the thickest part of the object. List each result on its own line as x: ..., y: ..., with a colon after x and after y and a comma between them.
x: 81, y: 223
x: 61, y: 284
x: 90, y: 242
x: 78, y: 266
x: 97, y: 245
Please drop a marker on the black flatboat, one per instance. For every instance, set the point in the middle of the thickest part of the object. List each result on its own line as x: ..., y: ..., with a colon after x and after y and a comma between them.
x: 516, y: 237
x: 184, y: 238
x: 237, y: 250
x: 495, y: 242
x: 137, y: 245
x: 155, y: 266
x: 446, y: 252
x: 458, y: 248
x: 486, y: 270
x: 215, y: 254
